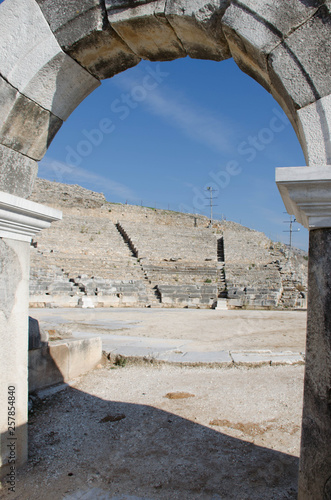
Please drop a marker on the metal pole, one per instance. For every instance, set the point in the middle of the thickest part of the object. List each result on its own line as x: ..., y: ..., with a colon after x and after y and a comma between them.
x: 210, y: 189
x: 211, y: 205
x: 291, y: 230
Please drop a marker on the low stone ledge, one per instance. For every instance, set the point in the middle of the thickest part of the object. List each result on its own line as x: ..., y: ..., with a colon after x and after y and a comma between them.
x: 62, y: 360
x: 258, y: 358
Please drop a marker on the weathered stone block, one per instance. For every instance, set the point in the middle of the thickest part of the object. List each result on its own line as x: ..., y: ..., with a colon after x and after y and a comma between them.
x: 300, y: 69
x: 59, y: 14
x: 314, y: 120
x: 25, y: 126
x: 167, y: 300
x: 235, y: 303
x: 84, y: 355
x: 61, y: 361
x: 209, y: 289
x: 59, y: 287
x: 60, y: 85
x: 127, y: 299
x: 17, y: 172
x: 284, y: 17
x: 36, y: 65
x: 84, y: 33
x: 85, y: 302
x: 109, y: 301
x: 206, y: 300
x: 48, y: 366
x: 250, y: 40
x: 8, y: 95
x: 146, y: 31
x: 194, y: 300
x: 23, y: 28
x: 167, y: 289
x: 198, y: 26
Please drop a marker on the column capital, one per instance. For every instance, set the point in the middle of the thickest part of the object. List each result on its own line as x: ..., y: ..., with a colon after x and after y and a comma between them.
x: 306, y: 193
x: 21, y: 219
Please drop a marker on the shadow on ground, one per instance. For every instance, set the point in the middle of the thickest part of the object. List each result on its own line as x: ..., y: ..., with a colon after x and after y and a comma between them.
x: 84, y: 447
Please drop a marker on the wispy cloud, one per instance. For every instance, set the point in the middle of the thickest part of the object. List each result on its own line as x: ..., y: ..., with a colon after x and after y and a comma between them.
x: 55, y: 170
x: 195, y: 121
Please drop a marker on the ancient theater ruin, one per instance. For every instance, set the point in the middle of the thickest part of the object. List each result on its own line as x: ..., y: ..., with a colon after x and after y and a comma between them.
x: 53, y: 53
x: 132, y: 256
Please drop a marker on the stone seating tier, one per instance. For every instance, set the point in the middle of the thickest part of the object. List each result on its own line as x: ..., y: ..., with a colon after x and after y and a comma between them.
x: 99, y: 245
x: 165, y: 242
x: 185, y: 295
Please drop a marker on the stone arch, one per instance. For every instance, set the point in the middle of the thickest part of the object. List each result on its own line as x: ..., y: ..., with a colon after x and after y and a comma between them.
x: 54, y: 53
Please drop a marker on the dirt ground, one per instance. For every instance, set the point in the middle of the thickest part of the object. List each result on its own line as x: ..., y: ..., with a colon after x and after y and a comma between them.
x: 122, y: 433
x: 147, y: 432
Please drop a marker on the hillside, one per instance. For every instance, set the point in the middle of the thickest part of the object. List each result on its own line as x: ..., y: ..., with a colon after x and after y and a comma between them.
x: 106, y: 254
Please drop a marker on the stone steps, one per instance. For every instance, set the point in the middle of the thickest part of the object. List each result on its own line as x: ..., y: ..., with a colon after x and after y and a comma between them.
x: 117, y: 244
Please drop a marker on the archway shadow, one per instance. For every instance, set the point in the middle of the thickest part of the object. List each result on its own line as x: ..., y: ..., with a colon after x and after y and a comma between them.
x: 80, y: 443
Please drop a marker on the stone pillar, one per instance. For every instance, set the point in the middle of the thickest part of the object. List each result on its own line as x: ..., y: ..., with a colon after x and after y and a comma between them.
x: 306, y: 192
x: 315, y: 464
x: 20, y: 220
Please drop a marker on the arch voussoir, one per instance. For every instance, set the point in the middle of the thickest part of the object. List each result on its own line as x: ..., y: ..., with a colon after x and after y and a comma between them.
x: 25, y: 126
x: 280, y: 46
x: 18, y: 172
x: 84, y: 33
x: 315, y: 127
x: 199, y: 27
x: 36, y: 66
x: 168, y: 30
x: 39, y: 84
x: 302, y: 68
x: 146, y: 30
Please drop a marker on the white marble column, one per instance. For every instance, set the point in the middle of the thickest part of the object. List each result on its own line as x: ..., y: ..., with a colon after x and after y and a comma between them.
x: 20, y: 220
x: 306, y: 192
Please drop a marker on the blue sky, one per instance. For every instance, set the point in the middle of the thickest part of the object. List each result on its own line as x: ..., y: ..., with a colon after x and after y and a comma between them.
x: 160, y: 133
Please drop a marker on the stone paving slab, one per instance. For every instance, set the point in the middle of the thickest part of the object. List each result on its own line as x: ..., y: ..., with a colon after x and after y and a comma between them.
x: 219, y: 357
x: 266, y: 357
x: 139, y: 351
x: 160, y: 350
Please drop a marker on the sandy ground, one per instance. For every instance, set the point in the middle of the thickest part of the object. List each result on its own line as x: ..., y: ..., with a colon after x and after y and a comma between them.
x: 172, y: 432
